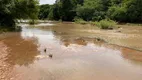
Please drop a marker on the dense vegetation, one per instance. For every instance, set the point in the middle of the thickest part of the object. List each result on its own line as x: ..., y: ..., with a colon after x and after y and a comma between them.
x: 70, y: 10
x: 62, y: 10
x: 11, y: 10
x: 93, y: 10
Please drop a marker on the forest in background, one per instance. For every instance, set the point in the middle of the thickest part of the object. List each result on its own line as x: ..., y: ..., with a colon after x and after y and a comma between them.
x: 71, y: 10
x: 93, y: 10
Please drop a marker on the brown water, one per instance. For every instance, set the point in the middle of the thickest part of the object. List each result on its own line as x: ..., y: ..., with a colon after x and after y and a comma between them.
x: 77, y: 55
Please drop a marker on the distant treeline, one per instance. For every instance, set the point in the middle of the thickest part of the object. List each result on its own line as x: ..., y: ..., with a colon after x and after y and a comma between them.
x: 93, y: 10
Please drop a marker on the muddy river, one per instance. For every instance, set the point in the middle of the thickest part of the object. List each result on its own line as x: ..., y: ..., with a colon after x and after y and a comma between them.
x: 68, y: 51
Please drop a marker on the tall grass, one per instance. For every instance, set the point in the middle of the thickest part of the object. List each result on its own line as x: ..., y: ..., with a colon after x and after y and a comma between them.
x: 106, y: 24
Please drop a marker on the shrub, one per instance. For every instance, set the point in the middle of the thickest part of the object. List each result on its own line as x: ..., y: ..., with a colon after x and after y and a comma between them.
x: 80, y: 21
x: 106, y: 24
x: 32, y: 22
x: 60, y: 20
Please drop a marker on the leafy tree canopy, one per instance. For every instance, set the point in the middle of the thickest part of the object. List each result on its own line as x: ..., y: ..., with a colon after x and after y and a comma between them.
x: 95, y: 10
x: 10, y: 10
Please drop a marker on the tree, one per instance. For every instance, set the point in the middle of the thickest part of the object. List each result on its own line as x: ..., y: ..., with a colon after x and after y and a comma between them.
x: 44, y: 11
x: 93, y: 9
x: 10, y: 10
x: 5, y: 13
x: 55, y: 12
x: 134, y: 10
x: 118, y: 13
x: 64, y: 10
x: 96, y: 10
x: 126, y: 10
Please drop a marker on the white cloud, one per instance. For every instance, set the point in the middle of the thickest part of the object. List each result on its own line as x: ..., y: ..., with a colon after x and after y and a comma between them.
x: 47, y: 1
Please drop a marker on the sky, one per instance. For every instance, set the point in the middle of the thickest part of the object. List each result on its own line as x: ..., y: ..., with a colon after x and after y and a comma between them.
x: 47, y: 1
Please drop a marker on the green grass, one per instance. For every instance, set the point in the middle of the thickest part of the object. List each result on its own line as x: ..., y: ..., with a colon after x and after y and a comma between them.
x: 106, y: 24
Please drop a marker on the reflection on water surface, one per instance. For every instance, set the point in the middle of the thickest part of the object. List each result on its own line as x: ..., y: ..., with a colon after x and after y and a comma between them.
x: 75, y: 57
